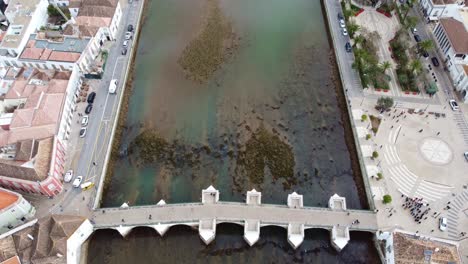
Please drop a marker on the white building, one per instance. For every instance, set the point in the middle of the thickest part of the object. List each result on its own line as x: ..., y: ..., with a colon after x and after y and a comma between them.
x: 24, y: 17
x: 452, y: 42
x: 14, y: 210
x: 435, y: 9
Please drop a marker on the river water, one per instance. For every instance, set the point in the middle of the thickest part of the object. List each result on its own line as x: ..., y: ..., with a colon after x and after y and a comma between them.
x: 278, y: 76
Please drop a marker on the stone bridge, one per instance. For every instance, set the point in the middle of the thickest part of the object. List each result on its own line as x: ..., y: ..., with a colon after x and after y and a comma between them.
x: 252, y: 215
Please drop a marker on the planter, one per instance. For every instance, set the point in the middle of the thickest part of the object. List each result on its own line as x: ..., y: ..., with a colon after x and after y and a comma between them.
x: 386, y: 91
x: 378, y: 90
x: 407, y: 92
x: 360, y: 11
x: 415, y: 93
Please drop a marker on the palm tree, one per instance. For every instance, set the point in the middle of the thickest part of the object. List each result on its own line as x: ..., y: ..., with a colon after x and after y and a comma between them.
x: 384, y: 66
x: 359, y: 39
x: 416, y: 66
x: 353, y: 28
x: 411, y: 22
x: 426, y: 45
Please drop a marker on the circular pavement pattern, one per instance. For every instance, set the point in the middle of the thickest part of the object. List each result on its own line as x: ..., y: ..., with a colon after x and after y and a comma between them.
x: 436, y: 151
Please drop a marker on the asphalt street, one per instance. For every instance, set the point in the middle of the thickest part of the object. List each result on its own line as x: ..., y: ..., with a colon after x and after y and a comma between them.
x: 101, y: 120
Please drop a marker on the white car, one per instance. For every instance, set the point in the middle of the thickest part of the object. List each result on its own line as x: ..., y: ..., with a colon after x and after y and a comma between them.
x: 128, y: 35
x: 68, y: 176
x: 84, y: 121
x: 453, y: 105
x: 113, y: 86
x: 443, y: 224
x: 344, y: 31
x: 77, y: 181
x: 466, y: 155
x: 342, y: 23
x: 125, y: 43
x: 83, y: 132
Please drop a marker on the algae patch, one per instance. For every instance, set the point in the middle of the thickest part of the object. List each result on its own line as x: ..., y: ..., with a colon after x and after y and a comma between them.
x: 150, y: 145
x: 265, y: 150
x: 211, y: 47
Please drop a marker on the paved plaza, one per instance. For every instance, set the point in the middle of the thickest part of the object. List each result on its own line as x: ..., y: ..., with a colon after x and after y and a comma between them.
x: 420, y: 156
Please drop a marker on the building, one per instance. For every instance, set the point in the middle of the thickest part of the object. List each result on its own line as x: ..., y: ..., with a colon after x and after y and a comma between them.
x: 47, y: 241
x: 14, y: 210
x: 24, y: 17
x: 451, y: 36
x: 35, y: 123
x: 435, y: 9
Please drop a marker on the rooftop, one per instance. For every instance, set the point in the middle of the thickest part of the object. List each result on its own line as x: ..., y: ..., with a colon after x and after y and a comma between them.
x: 93, y: 14
x: 409, y: 249
x: 12, y: 260
x: 38, y: 114
x: 7, y: 198
x: 69, y: 49
x: 457, y: 34
x: 18, y: 13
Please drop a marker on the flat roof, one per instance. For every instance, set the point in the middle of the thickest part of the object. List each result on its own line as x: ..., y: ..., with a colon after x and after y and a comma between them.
x: 68, y: 44
x: 7, y: 198
x: 19, y: 11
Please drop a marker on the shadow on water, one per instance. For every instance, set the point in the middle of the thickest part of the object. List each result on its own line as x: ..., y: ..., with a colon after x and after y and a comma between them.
x: 183, y: 245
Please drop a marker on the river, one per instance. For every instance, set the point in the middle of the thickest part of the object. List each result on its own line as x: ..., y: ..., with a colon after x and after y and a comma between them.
x: 255, y: 106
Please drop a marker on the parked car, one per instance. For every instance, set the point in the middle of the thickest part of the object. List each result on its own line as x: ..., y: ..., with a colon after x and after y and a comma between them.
x: 453, y: 105
x: 340, y: 16
x: 443, y: 224
x: 88, y: 109
x: 130, y: 28
x: 342, y: 23
x: 87, y: 185
x: 125, y: 44
x: 435, y: 61
x: 124, y: 51
x: 91, y: 97
x: 417, y: 38
x: 83, y: 131
x: 68, y: 176
x: 128, y: 35
x: 344, y: 31
x: 348, y: 47
x: 466, y: 155
x: 84, y: 121
x: 414, y: 30
x: 425, y: 54
x: 77, y: 181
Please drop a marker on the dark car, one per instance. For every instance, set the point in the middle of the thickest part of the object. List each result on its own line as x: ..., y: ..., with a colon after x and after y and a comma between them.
x: 340, y: 16
x: 348, y: 47
x: 91, y: 97
x: 124, y: 51
x: 425, y: 54
x: 417, y: 38
x: 435, y: 61
x: 88, y: 109
x: 130, y: 28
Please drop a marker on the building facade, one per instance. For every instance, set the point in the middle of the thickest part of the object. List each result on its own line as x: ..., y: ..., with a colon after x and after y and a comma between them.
x: 14, y: 210
x: 452, y: 42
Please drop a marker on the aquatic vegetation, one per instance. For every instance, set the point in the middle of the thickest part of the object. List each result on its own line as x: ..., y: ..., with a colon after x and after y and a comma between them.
x: 265, y: 149
x: 150, y: 145
x: 214, y: 44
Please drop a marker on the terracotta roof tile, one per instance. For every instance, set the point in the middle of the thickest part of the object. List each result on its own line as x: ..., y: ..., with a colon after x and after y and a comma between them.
x: 7, y: 198
x: 456, y: 33
x: 64, y: 56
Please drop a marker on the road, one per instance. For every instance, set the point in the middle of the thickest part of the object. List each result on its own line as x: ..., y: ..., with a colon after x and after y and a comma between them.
x: 344, y: 59
x: 101, y: 120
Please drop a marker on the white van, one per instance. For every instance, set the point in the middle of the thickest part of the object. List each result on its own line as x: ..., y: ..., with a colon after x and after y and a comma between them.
x: 113, y: 86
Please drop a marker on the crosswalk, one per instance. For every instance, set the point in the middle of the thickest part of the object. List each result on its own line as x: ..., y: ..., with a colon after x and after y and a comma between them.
x: 406, y: 181
x: 456, y: 206
x: 462, y: 125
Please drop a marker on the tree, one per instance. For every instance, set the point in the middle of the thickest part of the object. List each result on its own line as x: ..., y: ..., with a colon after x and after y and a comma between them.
x: 375, y: 154
x: 384, y: 66
x: 416, y: 66
x: 426, y: 45
x: 359, y: 39
x: 411, y: 22
x: 52, y: 11
x: 384, y: 103
x: 387, y: 199
x: 353, y: 28
x: 363, y: 118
